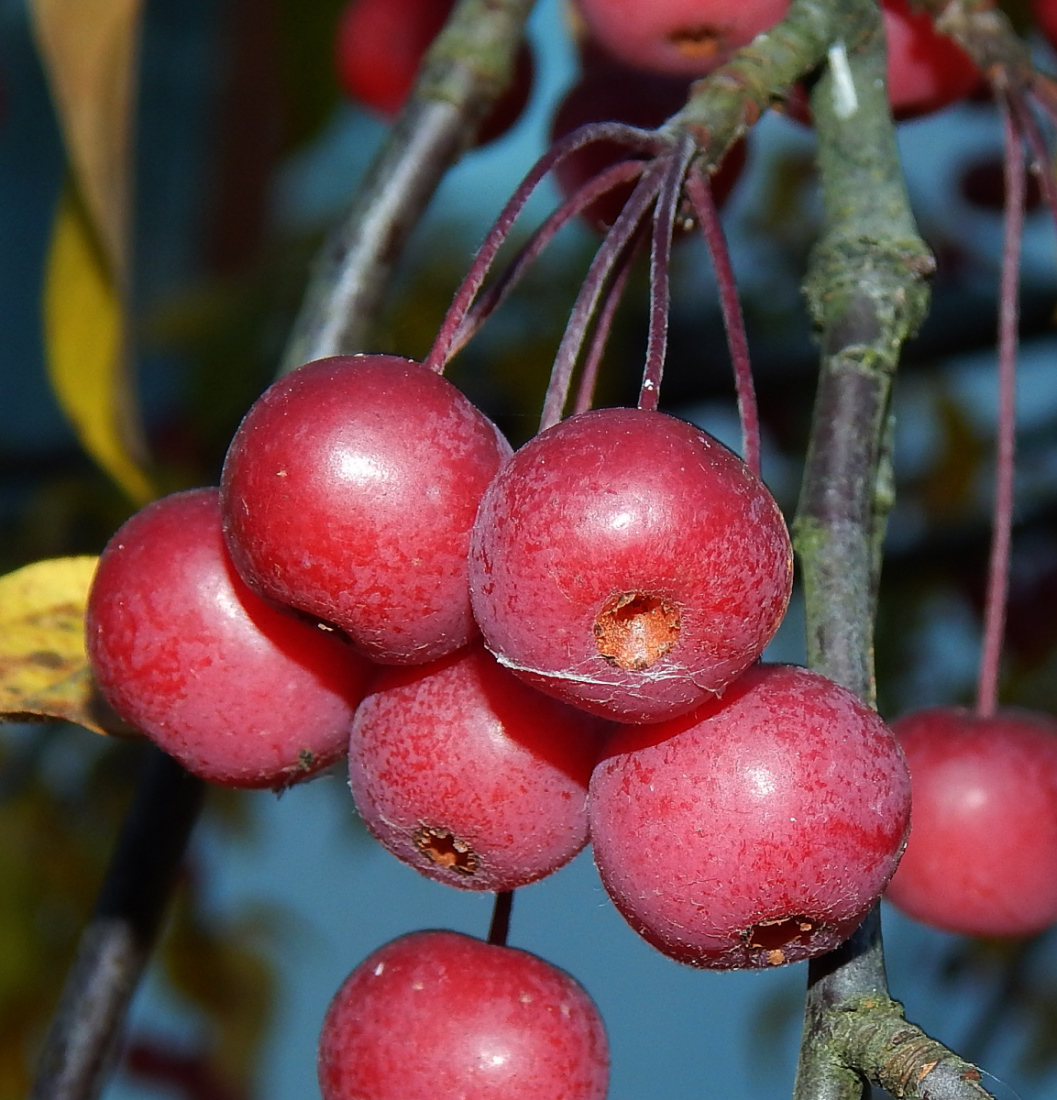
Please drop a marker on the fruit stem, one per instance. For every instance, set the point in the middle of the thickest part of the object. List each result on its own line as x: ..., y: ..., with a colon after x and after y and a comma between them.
x: 606, y: 259
x: 585, y: 392
x: 511, y: 275
x: 1040, y: 156
x: 699, y: 191
x: 1008, y: 316
x: 660, y: 260
x: 499, y: 929
x: 441, y: 352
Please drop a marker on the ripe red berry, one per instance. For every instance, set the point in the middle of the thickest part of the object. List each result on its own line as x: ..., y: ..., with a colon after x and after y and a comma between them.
x: 379, y: 46
x: 442, y: 1016
x: 926, y: 70
x: 756, y: 831
x: 616, y: 93
x: 628, y: 563
x: 470, y: 776
x: 982, y: 853
x: 236, y: 691
x: 684, y: 37
x: 349, y: 491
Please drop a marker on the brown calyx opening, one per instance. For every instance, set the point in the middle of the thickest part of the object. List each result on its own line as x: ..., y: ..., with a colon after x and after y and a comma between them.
x: 446, y: 849
x: 773, y: 936
x: 700, y: 41
x: 634, y: 630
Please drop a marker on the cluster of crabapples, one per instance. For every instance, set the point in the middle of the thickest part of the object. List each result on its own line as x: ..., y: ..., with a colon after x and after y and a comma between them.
x: 521, y: 653
x: 624, y: 570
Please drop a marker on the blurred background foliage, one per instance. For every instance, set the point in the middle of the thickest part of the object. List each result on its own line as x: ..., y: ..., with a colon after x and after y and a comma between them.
x: 243, y: 152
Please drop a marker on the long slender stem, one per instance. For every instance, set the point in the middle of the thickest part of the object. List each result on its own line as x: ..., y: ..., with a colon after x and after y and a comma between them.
x: 700, y: 194
x: 115, y: 947
x: 664, y: 213
x: 616, y: 240
x: 585, y: 391
x: 441, y: 352
x: 499, y: 929
x: 1008, y: 316
x: 511, y: 275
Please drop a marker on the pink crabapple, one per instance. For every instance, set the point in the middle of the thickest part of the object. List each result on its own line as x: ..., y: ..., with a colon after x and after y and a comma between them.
x: 438, y: 1015
x: 757, y: 830
x: 349, y: 491
x: 237, y: 692
x: 628, y: 563
x: 470, y: 776
x: 982, y: 853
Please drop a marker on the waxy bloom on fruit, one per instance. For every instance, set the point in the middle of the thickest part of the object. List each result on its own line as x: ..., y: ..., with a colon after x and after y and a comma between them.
x: 759, y: 829
x: 628, y: 563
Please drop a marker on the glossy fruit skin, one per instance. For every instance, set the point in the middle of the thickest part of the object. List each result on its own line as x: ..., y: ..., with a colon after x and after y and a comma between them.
x: 680, y: 37
x: 622, y: 501
x: 470, y: 776
x: 613, y: 92
x: 758, y: 830
x: 438, y: 1015
x: 239, y: 693
x: 349, y: 491
x: 982, y: 853
x: 378, y: 49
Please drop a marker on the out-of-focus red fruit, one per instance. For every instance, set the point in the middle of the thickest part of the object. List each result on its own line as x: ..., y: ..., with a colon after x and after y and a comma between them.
x: 983, y: 184
x: 469, y: 775
x: 615, y: 93
x: 982, y: 853
x: 681, y: 37
x: 628, y: 563
x: 442, y: 1016
x: 379, y: 46
x: 237, y: 692
x: 349, y: 491
x: 1044, y: 12
x: 757, y: 830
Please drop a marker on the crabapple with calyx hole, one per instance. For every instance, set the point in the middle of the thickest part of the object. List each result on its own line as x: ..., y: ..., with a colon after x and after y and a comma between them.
x: 683, y: 37
x: 982, y: 853
x: 628, y: 563
x: 438, y: 1015
x: 349, y: 491
x: 616, y: 93
x: 759, y: 829
x: 236, y: 691
x: 378, y: 50
x: 469, y: 775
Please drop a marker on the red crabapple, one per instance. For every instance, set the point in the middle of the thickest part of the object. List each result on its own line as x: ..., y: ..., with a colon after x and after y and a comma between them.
x: 349, y: 491
x: 682, y: 37
x: 616, y: 93
x: 627, y: 562
x: 759, y: 829
x: 442, y: 1016
x: 982, y: 853
x: 379, y: 47
x: 469, y: 775
x: 237, y: 692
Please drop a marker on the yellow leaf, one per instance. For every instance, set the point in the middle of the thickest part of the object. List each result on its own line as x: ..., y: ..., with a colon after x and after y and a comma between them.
x: 43, y: 666
x: 88, y: 48
x: 85, y: 348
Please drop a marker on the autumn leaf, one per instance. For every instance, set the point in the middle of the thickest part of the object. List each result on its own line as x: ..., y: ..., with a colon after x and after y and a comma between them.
x: 88, y: 48
x: 44, y: 670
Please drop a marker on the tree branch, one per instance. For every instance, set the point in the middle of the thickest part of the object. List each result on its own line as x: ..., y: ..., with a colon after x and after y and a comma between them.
x: 867, y: 293
x: 83, y: 1040
x: 468, y: 66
